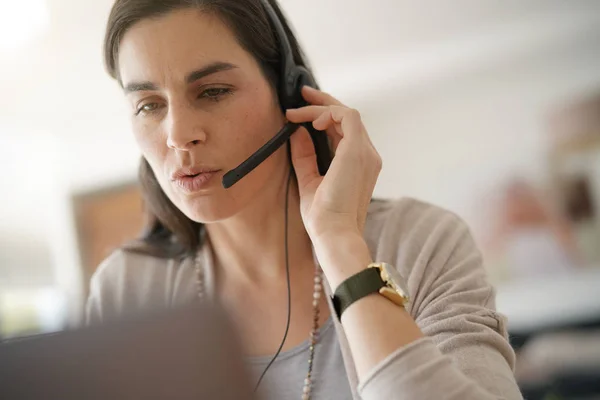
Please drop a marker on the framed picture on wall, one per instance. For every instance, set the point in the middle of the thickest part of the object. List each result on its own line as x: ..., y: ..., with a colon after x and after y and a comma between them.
x: 106, y: 219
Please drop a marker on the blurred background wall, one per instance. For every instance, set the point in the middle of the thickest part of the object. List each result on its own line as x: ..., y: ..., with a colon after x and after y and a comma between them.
x: 488, y: 108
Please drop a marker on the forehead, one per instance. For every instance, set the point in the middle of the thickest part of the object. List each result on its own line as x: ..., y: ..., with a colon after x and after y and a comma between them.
x: 175, y: 44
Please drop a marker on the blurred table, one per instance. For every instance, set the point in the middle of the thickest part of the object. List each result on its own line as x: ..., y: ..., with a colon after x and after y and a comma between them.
x: 550, y: 302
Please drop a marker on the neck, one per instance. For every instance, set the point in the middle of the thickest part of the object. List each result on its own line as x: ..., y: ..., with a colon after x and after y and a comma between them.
x: 250, y: 246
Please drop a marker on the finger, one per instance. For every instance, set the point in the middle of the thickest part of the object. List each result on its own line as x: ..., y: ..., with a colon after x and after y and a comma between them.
x: 345, y: 121
x: 318, y: 97
x: 305, y: 114
x: 321, y: 119
x: 322, y: 116
x: 324, y: 123
x: 334, y: 139
x: 304, y: 160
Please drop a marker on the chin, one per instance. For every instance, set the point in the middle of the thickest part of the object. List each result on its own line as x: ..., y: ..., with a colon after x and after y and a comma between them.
x: 203, y: 208
x: 206, y: 210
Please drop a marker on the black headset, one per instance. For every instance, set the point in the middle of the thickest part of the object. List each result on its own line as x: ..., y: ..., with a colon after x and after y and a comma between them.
x: 293, y: 77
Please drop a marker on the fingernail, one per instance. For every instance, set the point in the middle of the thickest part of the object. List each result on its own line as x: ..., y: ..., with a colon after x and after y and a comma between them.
x: 309, y: 88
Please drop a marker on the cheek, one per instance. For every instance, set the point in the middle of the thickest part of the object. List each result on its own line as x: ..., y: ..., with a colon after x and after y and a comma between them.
x: 154, y: 149
x: 248, y: 132
x: 151, y: 144
x: 255, y: 121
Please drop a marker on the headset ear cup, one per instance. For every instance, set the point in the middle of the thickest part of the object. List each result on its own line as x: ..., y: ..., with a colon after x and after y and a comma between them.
x: 291, y: 91
x: 305, y: 78
x: 301, y: 78
x: 288, y: 92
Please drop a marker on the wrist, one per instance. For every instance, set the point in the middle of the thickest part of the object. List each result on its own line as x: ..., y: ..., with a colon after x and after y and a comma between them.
x: 342, y: 256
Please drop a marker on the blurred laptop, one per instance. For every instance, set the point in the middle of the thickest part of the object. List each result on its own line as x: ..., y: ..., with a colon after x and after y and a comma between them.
x: 187, y: 353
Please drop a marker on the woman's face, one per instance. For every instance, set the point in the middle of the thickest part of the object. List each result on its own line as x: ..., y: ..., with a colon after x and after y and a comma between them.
x: 199, y: 102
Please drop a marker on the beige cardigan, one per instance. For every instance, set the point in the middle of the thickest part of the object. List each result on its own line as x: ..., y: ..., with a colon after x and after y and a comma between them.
x: 465, y: 354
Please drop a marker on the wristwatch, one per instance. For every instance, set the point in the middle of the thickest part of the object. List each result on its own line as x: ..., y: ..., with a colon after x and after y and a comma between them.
x: 379, y: 278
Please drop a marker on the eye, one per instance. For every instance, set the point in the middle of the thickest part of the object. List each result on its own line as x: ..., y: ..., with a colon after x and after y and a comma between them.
x: 147, y: 108
x: 215, y: 94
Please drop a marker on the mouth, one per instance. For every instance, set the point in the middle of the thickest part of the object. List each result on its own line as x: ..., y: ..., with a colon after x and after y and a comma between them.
x: 194, y: 179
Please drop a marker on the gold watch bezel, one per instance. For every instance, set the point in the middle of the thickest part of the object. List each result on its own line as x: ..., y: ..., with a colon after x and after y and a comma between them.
x: 391, y: 291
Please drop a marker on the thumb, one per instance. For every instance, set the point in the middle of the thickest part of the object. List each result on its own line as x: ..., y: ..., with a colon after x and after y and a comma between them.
x: 304, y: 160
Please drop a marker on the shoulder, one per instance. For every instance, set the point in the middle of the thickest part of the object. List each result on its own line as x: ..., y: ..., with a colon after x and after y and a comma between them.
x: 430, y: 246
x: 127, y: 282
x: 409, y: 221
x: 124, y: 268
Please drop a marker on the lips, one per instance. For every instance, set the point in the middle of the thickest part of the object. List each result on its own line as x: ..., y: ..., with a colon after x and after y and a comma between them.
x: 194, y: 179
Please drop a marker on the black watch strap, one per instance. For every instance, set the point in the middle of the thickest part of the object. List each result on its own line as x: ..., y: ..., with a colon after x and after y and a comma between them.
x: 356, y: 287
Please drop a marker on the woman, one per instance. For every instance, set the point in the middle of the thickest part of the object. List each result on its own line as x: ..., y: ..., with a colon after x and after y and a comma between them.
x: 200, y: 78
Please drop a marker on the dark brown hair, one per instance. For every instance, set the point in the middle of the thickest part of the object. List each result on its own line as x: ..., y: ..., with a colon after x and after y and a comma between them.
x: 168, y: 233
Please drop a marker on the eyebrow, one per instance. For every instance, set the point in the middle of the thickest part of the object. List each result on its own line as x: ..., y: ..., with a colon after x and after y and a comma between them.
x: 193, y: 76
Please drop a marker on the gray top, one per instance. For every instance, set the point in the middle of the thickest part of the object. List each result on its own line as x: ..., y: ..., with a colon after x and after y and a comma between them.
x: 465, y: 354
x: 285, y: 378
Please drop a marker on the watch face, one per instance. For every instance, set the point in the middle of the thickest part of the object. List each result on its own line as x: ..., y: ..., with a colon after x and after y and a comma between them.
x: 395, y: 279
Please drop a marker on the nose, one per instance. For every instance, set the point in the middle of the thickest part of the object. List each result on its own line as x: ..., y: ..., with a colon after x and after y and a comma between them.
x: 184, y: 128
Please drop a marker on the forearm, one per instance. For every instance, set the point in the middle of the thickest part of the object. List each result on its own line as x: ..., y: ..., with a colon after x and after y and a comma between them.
x: 375, y: 327
x: 394, y: 360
